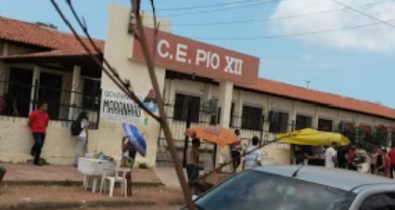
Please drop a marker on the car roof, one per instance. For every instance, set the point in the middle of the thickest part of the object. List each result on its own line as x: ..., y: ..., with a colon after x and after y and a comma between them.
x: 337, y: 178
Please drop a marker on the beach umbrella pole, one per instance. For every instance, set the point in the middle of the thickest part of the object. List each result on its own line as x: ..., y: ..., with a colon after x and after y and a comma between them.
x: 139, y: 29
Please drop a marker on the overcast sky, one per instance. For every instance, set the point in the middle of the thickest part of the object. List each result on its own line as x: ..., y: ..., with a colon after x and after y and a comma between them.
x: 336, y: 48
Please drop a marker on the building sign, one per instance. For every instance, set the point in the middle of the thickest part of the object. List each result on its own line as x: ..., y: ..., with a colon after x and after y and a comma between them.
x: 188, y: 56
x: 117, y: 106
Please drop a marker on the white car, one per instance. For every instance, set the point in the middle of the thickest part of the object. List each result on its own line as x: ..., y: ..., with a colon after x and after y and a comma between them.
x: 300, y: 188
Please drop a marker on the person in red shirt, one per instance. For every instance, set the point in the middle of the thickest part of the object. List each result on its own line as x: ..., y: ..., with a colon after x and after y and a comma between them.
x: 391, y: 155
x: 38, y: 122
x: 383, y: 164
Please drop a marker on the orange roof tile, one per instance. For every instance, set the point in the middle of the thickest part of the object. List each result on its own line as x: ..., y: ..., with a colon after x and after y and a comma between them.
x: 58, y: 43
x: 327, y: 99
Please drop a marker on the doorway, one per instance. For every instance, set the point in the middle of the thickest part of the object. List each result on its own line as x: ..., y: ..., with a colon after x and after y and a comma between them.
x: 19, y: 92
x: 50, y: 91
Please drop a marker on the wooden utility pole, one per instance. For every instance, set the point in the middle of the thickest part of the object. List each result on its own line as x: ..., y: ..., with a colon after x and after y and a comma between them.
x: 139, y: 29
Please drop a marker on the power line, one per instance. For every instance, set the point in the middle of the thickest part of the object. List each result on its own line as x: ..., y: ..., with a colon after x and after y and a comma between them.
x: 206, y: 6
x: 113, y: 75
x: 220, y: 10
x: 363, y: 13
x: 271, y: 19
x: 277, y: 36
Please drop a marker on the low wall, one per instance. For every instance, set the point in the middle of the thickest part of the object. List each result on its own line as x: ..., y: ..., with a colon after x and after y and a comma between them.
x: 16, y: 141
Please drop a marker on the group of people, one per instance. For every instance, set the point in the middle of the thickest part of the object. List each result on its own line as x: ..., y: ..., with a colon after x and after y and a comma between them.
x: 252, y: 157
x: 379, y: 161
x: 38, y: 123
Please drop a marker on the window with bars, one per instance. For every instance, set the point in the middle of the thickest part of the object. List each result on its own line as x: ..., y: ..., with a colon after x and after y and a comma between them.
x: 91, y: 94
x: 303, y: 121
x: 278, y: 122
x: 182, y: 103
x: 252, y: 118
x: 324, y: 124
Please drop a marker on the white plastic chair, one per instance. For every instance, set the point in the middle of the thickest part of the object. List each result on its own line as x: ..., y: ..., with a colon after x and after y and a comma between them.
x: 118, y: 177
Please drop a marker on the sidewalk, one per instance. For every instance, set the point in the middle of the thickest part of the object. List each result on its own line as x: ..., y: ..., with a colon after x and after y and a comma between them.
x: 27, y: 173
x: 29, y: 187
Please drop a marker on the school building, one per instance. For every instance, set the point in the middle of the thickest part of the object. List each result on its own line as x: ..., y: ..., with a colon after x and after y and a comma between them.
x: 202, y: 84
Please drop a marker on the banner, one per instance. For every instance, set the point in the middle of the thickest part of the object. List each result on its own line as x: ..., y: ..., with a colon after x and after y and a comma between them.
x: 117, y: 106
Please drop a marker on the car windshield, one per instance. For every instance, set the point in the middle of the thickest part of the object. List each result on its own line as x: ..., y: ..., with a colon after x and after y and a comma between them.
x: 259, y: 190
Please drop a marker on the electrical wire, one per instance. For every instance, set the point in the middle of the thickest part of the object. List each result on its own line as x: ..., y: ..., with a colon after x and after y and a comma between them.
x: 206, y: 6
x: 310, y: 33
x: 111, y: 73
x: 220, y: 10
x: 363, y: 13
x: 271, y: 19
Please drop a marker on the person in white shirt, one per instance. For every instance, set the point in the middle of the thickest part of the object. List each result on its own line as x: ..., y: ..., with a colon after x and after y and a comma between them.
x: 82, y: 138
x: 331, y: 156
x: 254, y: 156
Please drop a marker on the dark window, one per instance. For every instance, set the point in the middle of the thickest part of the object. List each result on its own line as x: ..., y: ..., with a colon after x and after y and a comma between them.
x: 384, y: 201
x: 91, y: 94
x: 251, y: 118
x: 1, y: 48
x: 324, y: 125
x: 181, y: 107
x: 303, y: 122
x: 278, y: 122
x: 50, y: 92
x: 19, y: 92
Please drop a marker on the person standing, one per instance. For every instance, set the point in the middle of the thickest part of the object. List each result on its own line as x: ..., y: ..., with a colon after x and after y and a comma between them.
x: 298, y: 155
x: 82, y: 138
x: 236, y: 152
x: 374, y: 156
x: 342, y: 157
x: 351, y: 156
x: 3, y: 171
x: 387, y: 165
x: 38, y: 123
x: 331, y: 156
x: 128, y: 159
x: 391, y: 155
x: 383, y: 164
x: 254, y: 155
x: 193, y: 161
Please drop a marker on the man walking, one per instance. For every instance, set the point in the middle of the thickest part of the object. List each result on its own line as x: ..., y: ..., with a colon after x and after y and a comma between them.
x: 193, y: 161
x: 38, y: 123
x: 331, y: 156
x: 254, y: 155
x: 235, y: 152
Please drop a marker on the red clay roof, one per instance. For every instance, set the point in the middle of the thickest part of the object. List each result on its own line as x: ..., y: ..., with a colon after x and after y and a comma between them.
x: 57, y: 43
x: 64, y: 44
x: 327, y: 99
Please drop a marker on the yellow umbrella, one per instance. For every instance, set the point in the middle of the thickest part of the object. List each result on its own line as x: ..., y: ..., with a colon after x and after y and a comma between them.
x: 312, y: 137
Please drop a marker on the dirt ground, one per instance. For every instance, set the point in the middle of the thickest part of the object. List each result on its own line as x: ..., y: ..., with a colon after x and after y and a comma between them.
x: 143, y: 198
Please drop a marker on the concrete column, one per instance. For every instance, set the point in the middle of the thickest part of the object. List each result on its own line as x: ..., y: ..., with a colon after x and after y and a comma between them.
x: 5, y: 50
x: 337, y: 121
x: 315, y: 118
x: 75, y: 83
x: 225, y: 102
x: 269, y: 108
x: 207, y: 92
x: 292, y: 118
x: 238, y: 109
x: 36, y: 77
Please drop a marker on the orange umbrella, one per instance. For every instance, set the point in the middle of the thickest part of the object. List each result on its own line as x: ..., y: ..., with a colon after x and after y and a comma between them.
x: 214, y: 134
